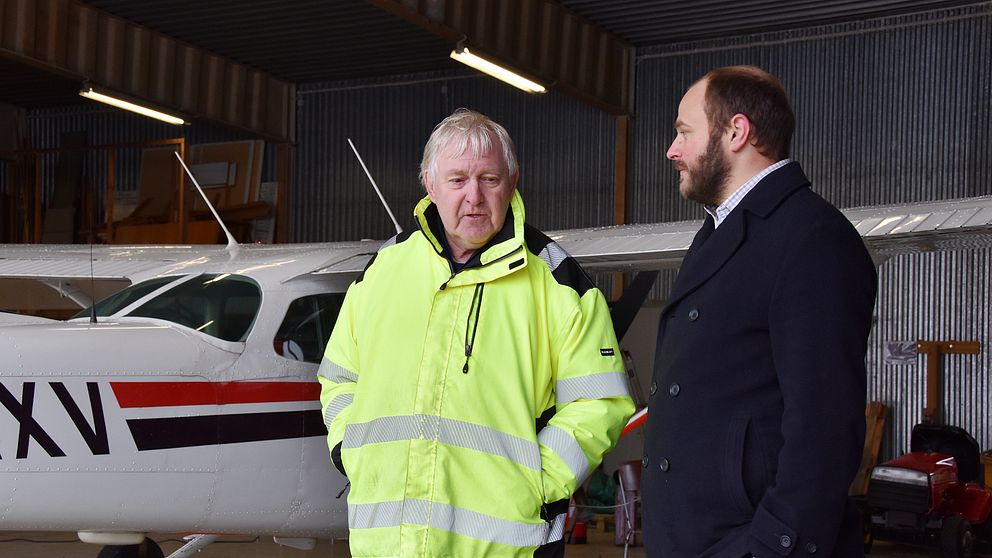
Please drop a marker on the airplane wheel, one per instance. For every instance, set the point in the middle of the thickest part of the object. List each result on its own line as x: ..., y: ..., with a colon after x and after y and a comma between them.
x: 147, y: 549
x: 956, y: 538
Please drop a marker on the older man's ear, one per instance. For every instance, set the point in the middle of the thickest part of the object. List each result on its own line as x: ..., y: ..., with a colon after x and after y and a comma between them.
x: 428, y: 184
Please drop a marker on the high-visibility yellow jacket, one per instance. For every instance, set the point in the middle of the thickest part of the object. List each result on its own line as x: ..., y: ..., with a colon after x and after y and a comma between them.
x: 463, y: 402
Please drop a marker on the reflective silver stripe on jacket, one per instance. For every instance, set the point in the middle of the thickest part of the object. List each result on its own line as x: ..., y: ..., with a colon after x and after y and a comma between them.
x: 335, y: 373
x: 449, y: 518
x: 593, y: 386
x: 553, y: 255
x: 447, y: 431
x: 565, y: 446
x: 557, y: 528
x: 336, y: 406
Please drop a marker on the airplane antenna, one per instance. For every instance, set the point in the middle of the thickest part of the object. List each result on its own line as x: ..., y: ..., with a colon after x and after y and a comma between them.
x: 382, y: 199
x: 231, y: 243
x: 92, y: 289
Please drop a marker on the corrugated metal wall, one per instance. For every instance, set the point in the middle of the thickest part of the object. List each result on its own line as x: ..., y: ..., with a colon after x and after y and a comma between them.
x: 933, y: 297
x: 565, y: 150
x: 890, y: 110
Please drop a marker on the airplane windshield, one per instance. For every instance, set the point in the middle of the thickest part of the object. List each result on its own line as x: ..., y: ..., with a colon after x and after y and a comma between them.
x: 222, y: 306
x: 121, y: 300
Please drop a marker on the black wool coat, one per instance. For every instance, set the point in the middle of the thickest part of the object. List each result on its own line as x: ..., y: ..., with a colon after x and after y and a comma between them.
x: 756, y: 421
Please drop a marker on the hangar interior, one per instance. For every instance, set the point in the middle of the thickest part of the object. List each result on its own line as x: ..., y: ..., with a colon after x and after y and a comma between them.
x: 893, y: 100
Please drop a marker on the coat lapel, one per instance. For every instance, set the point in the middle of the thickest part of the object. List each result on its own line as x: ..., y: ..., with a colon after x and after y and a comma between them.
x: 709, y: 251
x: 711, y: 248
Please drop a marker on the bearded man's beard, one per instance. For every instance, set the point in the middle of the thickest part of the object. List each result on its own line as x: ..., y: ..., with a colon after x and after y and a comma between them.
x: 704, y: 183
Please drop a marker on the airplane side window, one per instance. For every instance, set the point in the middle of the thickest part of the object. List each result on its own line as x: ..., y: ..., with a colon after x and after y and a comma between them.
x: 122, y: 299
x: 307, y: 326
x: 222, y: 306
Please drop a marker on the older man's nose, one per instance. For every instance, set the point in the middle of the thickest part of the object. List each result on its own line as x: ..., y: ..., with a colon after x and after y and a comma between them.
x: 473, y: 191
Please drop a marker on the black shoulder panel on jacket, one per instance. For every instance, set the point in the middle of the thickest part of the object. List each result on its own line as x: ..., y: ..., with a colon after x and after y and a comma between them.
x: 563, y: 267
x: 396, y: 239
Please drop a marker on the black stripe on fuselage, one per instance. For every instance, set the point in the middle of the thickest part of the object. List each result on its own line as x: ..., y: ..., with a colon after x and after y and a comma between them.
x: 186, y: 432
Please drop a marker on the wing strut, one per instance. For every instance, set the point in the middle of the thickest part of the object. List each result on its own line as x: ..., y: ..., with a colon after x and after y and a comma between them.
x: 195, y: 544
x: 622, y: 311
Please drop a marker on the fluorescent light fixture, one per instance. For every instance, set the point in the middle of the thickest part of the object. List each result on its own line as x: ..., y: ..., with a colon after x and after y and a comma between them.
x: 91, y: 93
x: 463, y: 55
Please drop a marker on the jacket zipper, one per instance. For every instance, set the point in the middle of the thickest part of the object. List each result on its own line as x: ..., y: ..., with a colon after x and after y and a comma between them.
x: 477, y: 308
x: 472, y: 326
x: 452, y: 276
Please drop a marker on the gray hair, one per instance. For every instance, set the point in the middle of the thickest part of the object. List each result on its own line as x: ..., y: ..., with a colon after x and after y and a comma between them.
x: 468, y: 130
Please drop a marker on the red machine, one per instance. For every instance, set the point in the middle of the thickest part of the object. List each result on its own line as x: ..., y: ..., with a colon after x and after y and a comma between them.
x: 934, y: 494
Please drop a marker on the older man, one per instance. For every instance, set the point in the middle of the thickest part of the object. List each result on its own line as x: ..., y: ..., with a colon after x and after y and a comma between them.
x: 757, y: 406
x: 473, y: 378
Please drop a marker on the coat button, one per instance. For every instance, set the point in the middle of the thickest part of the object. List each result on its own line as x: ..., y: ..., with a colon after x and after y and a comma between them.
x: 654, y: 387
x: 644, y: 462
x: 673, y: 390
x: 785, y: 541
x: 811, y: 548
x: 693, y: 315
x: 664, y: 465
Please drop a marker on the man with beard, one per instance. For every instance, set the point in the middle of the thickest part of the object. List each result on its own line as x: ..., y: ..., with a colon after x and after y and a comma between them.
x: 757, y: 398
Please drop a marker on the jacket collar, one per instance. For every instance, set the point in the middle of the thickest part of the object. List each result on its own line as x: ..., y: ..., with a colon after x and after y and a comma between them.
x: 711, y: 248
x: 493, y: 260
x: 774, y: 189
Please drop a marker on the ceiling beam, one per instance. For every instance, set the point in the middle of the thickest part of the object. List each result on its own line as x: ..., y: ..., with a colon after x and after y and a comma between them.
x: 540, y: 38
x: 80, y: 42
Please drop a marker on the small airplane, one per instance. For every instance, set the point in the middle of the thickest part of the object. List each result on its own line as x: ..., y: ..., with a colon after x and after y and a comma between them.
x: 185, y: 399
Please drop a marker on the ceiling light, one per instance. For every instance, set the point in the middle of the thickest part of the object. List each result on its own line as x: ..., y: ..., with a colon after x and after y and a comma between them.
x: 90, y: 93
x: 463, y: 55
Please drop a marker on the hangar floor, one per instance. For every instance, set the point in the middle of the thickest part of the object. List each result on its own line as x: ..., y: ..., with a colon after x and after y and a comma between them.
x: 66, y: 545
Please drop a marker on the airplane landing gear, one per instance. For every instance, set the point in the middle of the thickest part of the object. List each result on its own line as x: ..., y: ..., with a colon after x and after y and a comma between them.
x: 147, y: 549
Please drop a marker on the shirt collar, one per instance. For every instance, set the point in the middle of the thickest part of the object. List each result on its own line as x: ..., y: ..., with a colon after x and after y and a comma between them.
x: 719, y: 213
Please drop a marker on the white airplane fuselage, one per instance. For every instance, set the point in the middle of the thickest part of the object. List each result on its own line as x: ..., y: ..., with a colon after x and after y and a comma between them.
x: 138, y: 424
x: 152, y: 425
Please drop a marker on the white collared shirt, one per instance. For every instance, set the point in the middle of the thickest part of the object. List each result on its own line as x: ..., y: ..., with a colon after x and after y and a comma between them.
x: 719, y: 213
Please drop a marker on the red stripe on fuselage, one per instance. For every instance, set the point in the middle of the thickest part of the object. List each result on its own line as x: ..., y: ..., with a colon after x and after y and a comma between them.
x: 172, y: 394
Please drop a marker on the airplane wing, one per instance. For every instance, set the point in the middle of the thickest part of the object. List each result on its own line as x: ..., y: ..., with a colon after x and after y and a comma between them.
x: 66, y: 277
x: 925, y: 227
x: 7, y: 318
x: 629, y: 247
x: 70, y: 277
x: 887, y: 231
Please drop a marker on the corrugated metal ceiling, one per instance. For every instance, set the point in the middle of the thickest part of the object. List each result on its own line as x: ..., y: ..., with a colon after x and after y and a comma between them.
x: 296, y: 40
x: 326, y: 40
x: 658, y: 22
x: 307, y: 41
